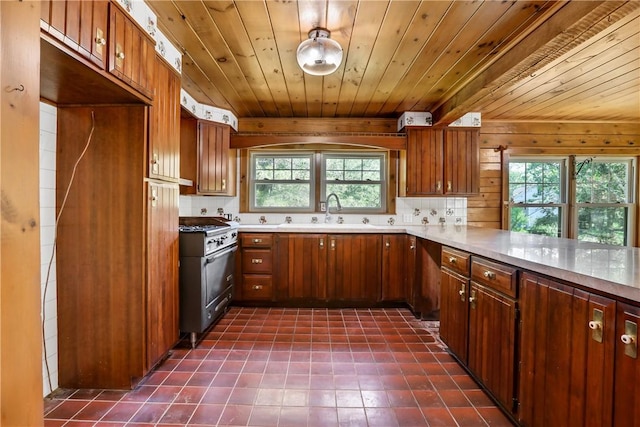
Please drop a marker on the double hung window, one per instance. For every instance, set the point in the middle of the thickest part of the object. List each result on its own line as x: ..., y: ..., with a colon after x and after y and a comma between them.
x: 594, y: 203
x: 286, y: 181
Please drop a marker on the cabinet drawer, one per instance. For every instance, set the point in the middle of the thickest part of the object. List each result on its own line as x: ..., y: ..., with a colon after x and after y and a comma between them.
x: 257, y: 287
x: 254, y: 240
x: 496, y: 276
x: 456, y: 260
x: 256, y: 261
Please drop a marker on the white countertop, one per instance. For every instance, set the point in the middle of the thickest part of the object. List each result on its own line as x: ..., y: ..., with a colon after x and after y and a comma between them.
x: 613, y: 270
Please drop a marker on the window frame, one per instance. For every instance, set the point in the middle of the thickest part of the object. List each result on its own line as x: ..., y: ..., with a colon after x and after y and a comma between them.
x: 384, y: 181
x: 563, y: 206
x: 629, y: 204
x: 253, y: 155
x: 570, y: 209
x: 247, y: 169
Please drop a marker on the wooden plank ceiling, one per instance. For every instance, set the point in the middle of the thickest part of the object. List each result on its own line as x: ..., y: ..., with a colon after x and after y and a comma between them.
x: 509, y: 60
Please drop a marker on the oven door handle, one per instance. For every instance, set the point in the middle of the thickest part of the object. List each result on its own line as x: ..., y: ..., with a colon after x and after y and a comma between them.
x: 221, y: 254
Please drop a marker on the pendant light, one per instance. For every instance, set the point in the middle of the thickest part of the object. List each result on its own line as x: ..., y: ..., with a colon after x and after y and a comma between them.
x: 319, y: 55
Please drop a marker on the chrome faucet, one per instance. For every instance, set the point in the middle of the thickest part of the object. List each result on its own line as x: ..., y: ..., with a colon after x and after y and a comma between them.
x: 327, y: 216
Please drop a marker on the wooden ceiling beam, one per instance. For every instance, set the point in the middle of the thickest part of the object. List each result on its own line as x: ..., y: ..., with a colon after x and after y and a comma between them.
x: 561, y: 32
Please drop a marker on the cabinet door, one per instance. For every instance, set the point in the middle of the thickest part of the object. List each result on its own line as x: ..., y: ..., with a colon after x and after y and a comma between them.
x: 492, y: 342
x: 131, y: 52
x: 411, y: 271
x: 354, y: 267
x: 566, y: 375
x: 454, y: 313
x: 213, y: 158
x: 81, y: 25
x: 627, y: 368
x: 395, y: 256
x: 301, y: 271
x: 164, y: 135
x: 424, y: 162
x: 462, y: 161
x: 162, y: 277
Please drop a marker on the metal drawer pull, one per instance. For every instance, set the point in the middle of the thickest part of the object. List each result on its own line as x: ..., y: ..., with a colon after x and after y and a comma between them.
x: 387, y: 244
x: 453, y: 260
x: 461, y: 292
x: 257, y: 240
x: 256, y: 287
x: 321, y: 243
x: 472, y: 298
x: 489, y: 274
x: 256, y: 261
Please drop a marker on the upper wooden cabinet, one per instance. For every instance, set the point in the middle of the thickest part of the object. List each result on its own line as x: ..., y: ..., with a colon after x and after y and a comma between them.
x: 131, y: 52
x: 81, y: 25
x: 103, y: 33
x: 425, y: 156
x: 462, y: 161
x: 164, y: 124
x: 206, y: 159
x: 442, y: 162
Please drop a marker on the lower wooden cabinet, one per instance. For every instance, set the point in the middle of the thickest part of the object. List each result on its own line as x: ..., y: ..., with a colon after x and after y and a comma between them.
x: 398, y: 264
x: 454, y: 313
x: 162, y: 270
x: 256, y: 267
x: 567, y: 357
x: 353, y: 267
x: 301, y: 271
x: 313, y: 269
x: 492, y: 342
x: 626, y: 409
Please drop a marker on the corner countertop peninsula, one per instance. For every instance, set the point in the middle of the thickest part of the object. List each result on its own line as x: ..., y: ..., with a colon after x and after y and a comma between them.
x: 612, y: 270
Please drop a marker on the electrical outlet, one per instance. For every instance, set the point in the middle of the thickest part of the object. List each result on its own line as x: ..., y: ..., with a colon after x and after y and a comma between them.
x: 407, y: 217
x: 323, y: 206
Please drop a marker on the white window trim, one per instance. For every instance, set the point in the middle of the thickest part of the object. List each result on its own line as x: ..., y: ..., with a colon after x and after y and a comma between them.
x: 284, y: 154
x: 564, y: 190
x: 384, y: 182
x: 630, y: 204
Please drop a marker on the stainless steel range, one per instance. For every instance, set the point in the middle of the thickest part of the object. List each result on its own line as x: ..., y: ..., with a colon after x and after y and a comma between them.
x: 207, y: 259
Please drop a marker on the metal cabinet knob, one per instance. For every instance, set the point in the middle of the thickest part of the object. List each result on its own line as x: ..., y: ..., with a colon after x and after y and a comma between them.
x: 120, y: 55
x: 489, y: 274
x: 101, y: 41
x: 257, y: 240
x: 453, y: 260
x: 256, y: 261
x: 256, y: 287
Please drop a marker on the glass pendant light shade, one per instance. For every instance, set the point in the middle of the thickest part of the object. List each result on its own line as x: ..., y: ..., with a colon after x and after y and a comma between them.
x: 319, y: 55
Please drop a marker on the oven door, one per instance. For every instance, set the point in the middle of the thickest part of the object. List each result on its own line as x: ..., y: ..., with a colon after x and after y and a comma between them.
x: 218, y: 277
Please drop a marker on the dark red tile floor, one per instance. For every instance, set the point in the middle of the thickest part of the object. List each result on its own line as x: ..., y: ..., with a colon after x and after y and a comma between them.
x: 295, y: 367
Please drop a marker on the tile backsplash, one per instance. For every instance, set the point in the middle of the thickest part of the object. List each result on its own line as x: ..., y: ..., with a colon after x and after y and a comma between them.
x: 409, y: 211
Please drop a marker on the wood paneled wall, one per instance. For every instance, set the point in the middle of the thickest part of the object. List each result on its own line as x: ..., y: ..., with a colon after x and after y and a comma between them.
x: 20, y: 343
